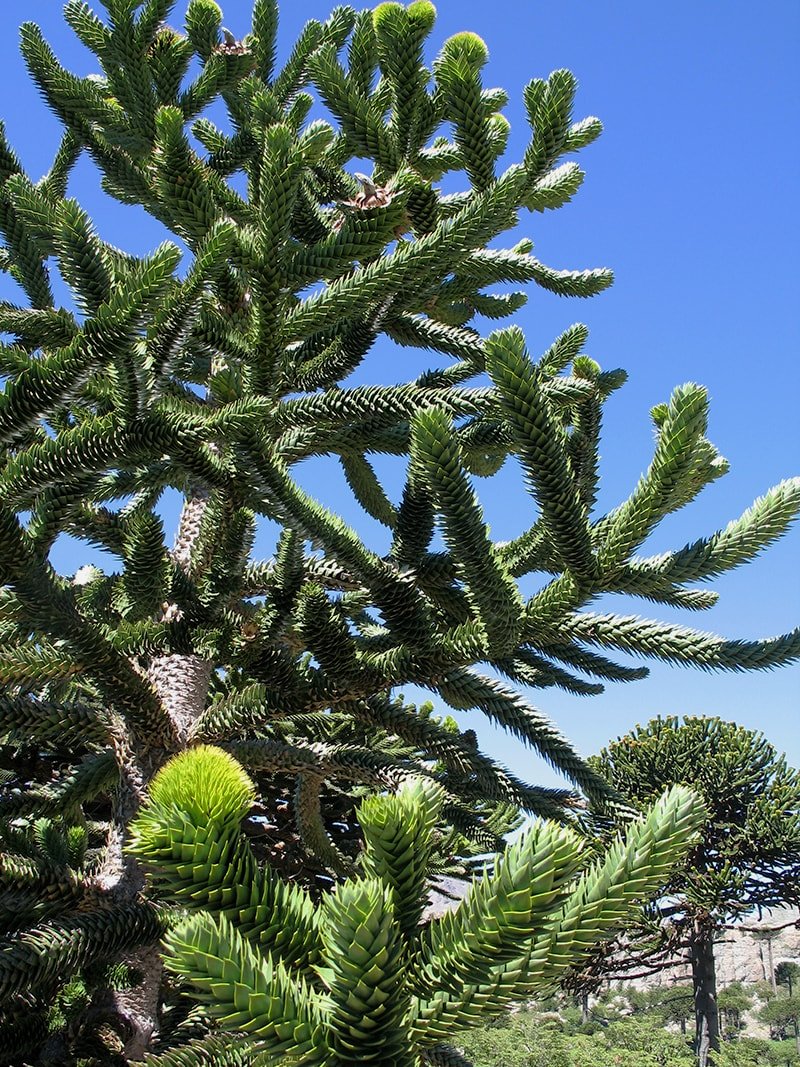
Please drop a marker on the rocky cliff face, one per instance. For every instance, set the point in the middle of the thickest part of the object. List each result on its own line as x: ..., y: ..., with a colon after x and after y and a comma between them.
x: 748, y: 953
x: 752, y: 951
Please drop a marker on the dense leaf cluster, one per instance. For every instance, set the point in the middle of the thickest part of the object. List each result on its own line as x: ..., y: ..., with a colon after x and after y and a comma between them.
x: 361, y: 980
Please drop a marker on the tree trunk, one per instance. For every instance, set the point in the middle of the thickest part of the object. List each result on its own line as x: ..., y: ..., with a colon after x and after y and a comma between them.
x: 704, y: 983
x: 134, y: 1011
x: 773, y: 981
x: 764, y: 939
x: 181, y: 684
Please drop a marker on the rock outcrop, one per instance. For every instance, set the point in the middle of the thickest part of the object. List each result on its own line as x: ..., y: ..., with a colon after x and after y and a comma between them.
x: 748, y: 952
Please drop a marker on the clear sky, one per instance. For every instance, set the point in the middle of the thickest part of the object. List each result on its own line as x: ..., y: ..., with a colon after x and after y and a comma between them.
x: 691, y: 197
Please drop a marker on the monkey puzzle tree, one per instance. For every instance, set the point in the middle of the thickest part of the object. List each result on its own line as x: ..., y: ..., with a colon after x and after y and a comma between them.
x: 788, y: 974
x: 748, y: 856
x: 216, y: 378
x: 782, y: 1014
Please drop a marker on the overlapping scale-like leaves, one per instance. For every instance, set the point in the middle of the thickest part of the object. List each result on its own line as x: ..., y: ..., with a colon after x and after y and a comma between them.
x: 190, y: 837
x: 383, y: 988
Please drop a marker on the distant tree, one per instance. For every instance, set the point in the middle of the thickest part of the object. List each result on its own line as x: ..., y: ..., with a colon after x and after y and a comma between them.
x: 782, y: 1014
x: 788, y: 974
x: 764, y: 937
x: 522, y: 1040
x: 733, y: 1002
x: 748, y: 857
x: 671, y: 1004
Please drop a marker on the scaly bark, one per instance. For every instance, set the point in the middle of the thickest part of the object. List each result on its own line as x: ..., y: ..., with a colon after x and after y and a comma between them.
x: 181, y: 683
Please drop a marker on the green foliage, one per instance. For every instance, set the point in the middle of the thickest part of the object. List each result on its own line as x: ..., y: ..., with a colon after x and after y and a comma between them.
x: 626, y: 1026
x: 38, y: 957
x: 543, y: 1041
x: 753, y: 1052
x: 782, y: 1013
x: 788, y: 974
x: 360, y: 979
x: 671, y: 1005
x: 733, y: 1001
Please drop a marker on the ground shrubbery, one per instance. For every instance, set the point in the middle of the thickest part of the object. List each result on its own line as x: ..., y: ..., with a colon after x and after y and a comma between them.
x: 526, y: 1040
x: 621, y: 1031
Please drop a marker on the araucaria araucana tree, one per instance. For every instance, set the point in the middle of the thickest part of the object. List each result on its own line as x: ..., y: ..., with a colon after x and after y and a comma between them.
x: 748, y: 854
x: 214, y: 367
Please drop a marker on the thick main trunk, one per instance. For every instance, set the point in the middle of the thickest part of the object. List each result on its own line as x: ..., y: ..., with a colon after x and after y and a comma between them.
x: 773, y: 981
x: 704, y: 983
x: 134, y: 1011
x: 181, y: 684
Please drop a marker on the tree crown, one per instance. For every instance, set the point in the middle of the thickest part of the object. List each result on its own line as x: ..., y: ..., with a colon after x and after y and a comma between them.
x: 749, y: 856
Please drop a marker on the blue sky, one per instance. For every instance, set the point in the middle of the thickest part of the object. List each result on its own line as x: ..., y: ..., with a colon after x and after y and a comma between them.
x: 691, y: 197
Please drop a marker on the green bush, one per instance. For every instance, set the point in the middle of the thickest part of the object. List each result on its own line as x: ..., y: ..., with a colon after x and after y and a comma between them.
x: 752, y: 1052
x: 528, y: 1040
